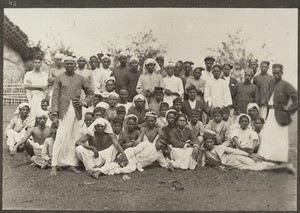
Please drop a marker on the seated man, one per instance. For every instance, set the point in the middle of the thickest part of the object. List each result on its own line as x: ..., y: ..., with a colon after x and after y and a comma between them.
x: 111, y: 112
x: 88, y: 120
x: 17, y: 127
x: 100, y: 110
x: 102, y: 146
x: 220, y: 128
x: 161, y: 120
x: 39, y: 133
x: 117, y: 126
x: 149, y: 131
x: 184, y: 145
x: 121, y: 112
x: 140, y: 156
x: 158, y: 98
x: 139, y: 108
x: 44, y: 161
x: 196, y: 126
x: 130, y: 134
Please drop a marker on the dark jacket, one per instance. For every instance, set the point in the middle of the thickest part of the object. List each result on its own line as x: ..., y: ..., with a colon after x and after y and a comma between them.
x: 283, y: 92
x: 232, y: 84
x: 200, y: 106
x: 66, y: 88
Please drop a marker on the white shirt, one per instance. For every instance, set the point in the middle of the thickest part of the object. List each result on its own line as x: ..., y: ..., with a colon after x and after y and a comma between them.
x: 206, y: 75
x: 217, y: 93
x: 127, y: 106
x: 227, y: 79
x: 96, y: 77
x: 174, y: 84
x: 104, y: 74
x: 192, y: 104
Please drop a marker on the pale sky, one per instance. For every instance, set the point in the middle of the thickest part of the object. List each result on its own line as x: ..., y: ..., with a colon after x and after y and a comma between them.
x: 188, y: 32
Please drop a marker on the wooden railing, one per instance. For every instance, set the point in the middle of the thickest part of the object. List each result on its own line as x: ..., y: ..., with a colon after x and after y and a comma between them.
x: 13, y: 94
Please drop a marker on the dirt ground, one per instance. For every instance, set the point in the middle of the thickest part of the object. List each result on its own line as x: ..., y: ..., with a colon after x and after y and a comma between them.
x: 28, y: 187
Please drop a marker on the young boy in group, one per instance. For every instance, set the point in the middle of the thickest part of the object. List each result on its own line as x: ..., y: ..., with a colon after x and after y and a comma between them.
x: 44, y: 160
x: 111, y: 112
x: 39, y: 133
x: 161, y: 120
x: 88, y: 120
x: 123, y: 97
x: 130, y: 134
x: 196, y: 126
x: 140, y: 156
x: 158, y: 98
x: 177, y: 105
x: 149, y: 131
x: 219, y: 127
x: 100, y: 110
x: 44, y: 104
x: 117, y: 126
x: 226, y: 116
x: 121, y: 112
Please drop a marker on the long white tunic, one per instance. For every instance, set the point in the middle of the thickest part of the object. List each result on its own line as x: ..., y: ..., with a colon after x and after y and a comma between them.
x: 174, y: 84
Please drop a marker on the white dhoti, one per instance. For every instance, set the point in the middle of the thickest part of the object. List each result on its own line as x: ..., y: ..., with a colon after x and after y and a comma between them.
x: 14, y: 137
x: 89, y: 161
x: 243, y: 162
x: 263, y: 110
x: 182, y: 158
x: 38, y: 160
x: 67, y: 134
x: 37, y: 148
x: 35, y: 101
x: 274, y: 143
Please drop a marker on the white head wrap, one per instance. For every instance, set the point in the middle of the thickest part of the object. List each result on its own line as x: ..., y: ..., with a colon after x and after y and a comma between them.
x: 58, y: 56
x: 151, y: 114
x: 251, y: 105
x: 41, y: 113
x: 171, y: 110
x: 148, y: 61
x: 114, y: 94
x: 131, y: 116
x: 170, y: 64
x: 105, y: 94
x: 101, y: 121
x: 122, y: 54
x: 111, y: 78
x: 81, y: 58
x: 21, y: 105
x: 139, y: 96
x: 103, y: 105
x: 133, y: 58
x: 238, y: 120
x: 69, y: 58
x: 106, y: 56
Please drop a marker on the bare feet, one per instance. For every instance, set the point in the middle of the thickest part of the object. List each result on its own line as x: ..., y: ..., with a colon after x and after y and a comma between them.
x: 73, y: 169
x: 53, y: 172
x: 95, y: 174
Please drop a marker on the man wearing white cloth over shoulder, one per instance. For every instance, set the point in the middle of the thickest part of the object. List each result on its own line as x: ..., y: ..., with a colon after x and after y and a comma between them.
x: 67, y: 112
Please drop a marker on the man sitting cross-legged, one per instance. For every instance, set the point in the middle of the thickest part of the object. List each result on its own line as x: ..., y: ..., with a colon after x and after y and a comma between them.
x: 39, y: 133
x: 102, y: 146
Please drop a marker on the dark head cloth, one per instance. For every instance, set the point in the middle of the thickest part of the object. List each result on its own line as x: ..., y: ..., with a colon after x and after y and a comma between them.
x: 189, y: 62
x: 177, y: 100
x: 163, y: 104
x: 265, y: 62
x: 209, y: 58
x: 278, y: 66
x: 160, y: 58
x: 158, y: 89
x: 120, y: 109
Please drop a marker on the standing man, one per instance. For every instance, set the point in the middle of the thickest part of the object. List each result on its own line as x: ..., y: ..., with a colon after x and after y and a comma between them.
x: 160, y: 60
x: 174, y: 86
x: 94, y: 66
x: 131, y: 77
x: 105, y: 72
x: 197, y: 81
x: 149, y: 79
x: 207, y: 74
x: 36, y: 85
x: 253, y: 64
x: 245, y: 93
x: 87, y: 74
x: 67, y: 113
x: 263, y: 81
x: 120, y: 71
x: 275, y: 143
x: 217, y: 93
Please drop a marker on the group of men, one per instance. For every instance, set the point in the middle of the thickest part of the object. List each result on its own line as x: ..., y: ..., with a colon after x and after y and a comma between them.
x: 98, y: 112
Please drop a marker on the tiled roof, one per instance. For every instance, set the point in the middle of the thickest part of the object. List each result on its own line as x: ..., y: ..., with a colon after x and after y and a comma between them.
x: 18, y: 40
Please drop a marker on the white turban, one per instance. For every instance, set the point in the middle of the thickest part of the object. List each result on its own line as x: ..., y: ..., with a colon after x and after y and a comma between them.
x: 111, y: 78
x: 58, y: 56
x: 133, y: 58
x: 103, y: 122
x: 237, y: 123
x: 131, y: 116
x: 17, y: 112
x: 114, y: 94
x: 41, y: 113
x: 103, y: 105
x: 148, y: 61
x: 151, y: 114
x: 251, y: 105
x: 70, y: 58
x: 122, y: 54
x: 104, y: 94
x: 139, y: 96
x: 171, y: 110
x: 106, y: 56
x: 170, y: 64
x: 81, y: 58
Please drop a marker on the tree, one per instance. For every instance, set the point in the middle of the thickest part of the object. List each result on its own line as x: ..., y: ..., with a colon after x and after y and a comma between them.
x: 143, y: 45
x: 233, y: 51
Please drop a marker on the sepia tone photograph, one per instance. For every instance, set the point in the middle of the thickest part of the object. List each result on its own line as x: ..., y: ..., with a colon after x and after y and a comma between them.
x: 139, y: 109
